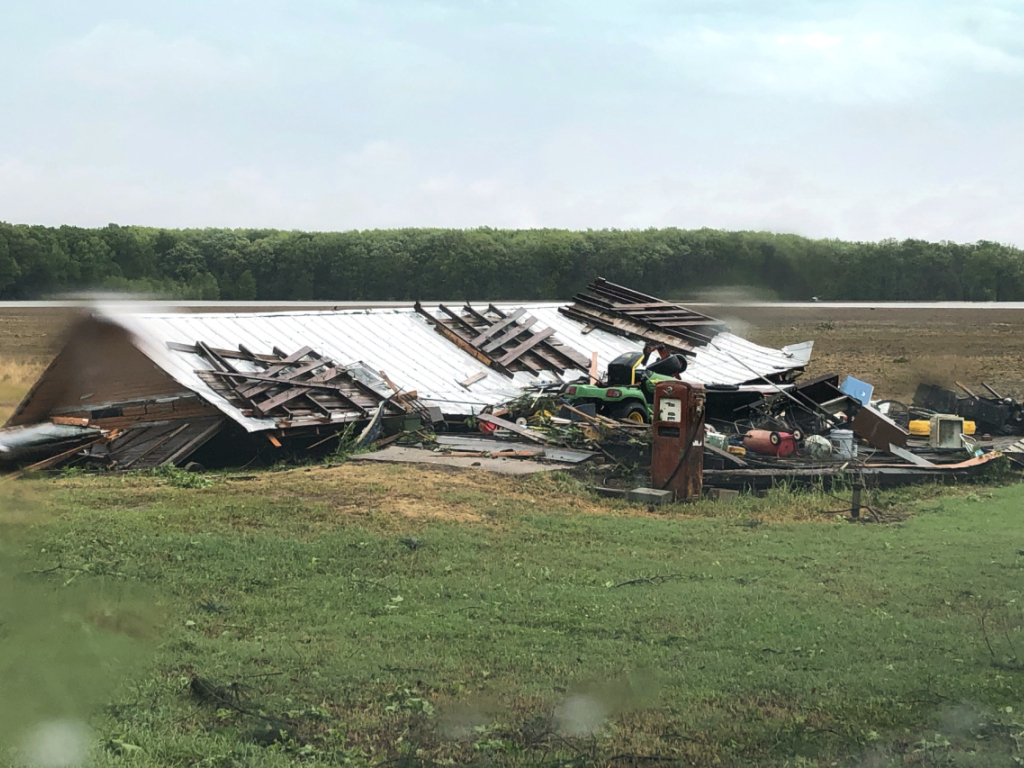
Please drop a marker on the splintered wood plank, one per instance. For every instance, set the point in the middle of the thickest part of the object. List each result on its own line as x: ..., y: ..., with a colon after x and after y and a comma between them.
x: 228, y: 354
x: 527, y: 345
x: 324, y: 408
x: 461, y: 321
x: 484, y: 320
x: 156, y: 445
x: 283, y: 375
x: 467, y: 383
x: 530, y: 434
x: 284, y: 364
x: 277, y: 400
x: 308, y: 384
x: 195, y: 443
x: 509, y: 335
x: 294, y: 357
x: 214, y: 359
x: 648, y: 305
x: 498, y: 326
x: 530, y: 362
x: 636, y: 330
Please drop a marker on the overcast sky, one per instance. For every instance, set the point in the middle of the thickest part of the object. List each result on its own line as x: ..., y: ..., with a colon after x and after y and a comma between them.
x: 830, y: 119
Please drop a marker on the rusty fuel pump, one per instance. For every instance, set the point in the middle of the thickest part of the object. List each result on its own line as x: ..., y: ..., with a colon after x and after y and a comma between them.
x: 677, y: 450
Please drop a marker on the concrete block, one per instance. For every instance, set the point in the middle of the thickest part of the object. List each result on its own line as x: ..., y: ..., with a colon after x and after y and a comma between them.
x: 651, y: 496
x: 721, y: 494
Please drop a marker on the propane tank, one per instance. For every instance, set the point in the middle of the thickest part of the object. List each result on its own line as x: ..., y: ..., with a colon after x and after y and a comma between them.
x: 770, y: 443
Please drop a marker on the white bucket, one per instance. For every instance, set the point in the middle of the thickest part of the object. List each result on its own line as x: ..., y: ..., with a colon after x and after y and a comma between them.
x: 845, y: 445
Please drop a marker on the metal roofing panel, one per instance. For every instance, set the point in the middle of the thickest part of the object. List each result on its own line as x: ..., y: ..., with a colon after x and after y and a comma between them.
x: 728, y: 359
x: 14, y: 440
x: 404, y: 345
x: 398, y: 342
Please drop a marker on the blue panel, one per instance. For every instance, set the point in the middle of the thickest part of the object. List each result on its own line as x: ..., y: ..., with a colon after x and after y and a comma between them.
x: 858, y: 390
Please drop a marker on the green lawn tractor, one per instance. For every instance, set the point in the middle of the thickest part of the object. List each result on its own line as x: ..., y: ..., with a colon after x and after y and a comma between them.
x: 629, y: 392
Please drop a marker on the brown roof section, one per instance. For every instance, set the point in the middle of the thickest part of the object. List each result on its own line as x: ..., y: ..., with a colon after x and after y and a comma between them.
x: 626, y: 312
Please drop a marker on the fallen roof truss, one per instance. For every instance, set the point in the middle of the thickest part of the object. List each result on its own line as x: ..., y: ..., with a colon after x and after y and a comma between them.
x: 623, y: 311
x: 302, y: 387
x: 505, y: 341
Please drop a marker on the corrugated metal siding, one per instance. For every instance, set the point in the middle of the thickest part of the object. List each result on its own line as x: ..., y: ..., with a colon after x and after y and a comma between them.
x: 414, y: 355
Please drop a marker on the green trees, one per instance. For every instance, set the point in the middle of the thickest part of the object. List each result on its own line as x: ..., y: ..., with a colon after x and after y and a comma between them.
x: 493, y: 264
x: 9, y: 270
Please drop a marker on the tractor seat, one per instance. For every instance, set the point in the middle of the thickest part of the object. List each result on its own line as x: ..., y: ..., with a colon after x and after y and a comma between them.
x: 668, y: 366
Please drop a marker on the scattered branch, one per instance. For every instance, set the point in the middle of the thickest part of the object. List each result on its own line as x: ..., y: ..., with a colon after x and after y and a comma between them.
x: 57, y: 567
x: 648, y: 580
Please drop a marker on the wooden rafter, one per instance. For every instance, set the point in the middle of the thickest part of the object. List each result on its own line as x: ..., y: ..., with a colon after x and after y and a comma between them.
x: 505, y: 342
x: 302, y: 387
x: 626, y: 312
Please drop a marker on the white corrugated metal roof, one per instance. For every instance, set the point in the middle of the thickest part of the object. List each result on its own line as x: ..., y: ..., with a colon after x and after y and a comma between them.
x: 405, y: 346
x: 728, y: 359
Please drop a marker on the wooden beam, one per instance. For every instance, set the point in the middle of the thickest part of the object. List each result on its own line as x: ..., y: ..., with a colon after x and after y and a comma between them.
x: 498, y: 326
x: 526, y: 346
x: 462, y: 322
x: 157, y: 444
x: 213, y: 358
x: 287, y: 396
x: 52, y: 460
x: 308, y: 384
x: 530, y: 434
x: 283, y: 374
x: 194, y: 444
x: 509, y: 335
x: 467, y: 383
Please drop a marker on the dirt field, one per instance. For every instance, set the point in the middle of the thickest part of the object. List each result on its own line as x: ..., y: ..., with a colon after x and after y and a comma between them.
x: 894, y: 349
x: 29, y: 339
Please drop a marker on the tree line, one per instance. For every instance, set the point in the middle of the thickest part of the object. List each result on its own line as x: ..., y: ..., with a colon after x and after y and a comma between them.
x: 448, y: 264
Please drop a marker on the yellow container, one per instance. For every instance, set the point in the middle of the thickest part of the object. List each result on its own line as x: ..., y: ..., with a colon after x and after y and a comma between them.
x: 737, y: 450
x: 923, y: 427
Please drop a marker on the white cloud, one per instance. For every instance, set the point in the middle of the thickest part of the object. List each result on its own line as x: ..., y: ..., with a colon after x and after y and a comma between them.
x: 875, y: 56
x: 123, y: 57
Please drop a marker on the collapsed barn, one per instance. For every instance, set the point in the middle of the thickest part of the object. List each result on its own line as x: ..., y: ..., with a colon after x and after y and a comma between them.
x: 136, y: 390
x: 565, y: 383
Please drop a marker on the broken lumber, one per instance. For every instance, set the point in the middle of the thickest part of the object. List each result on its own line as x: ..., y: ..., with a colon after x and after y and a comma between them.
x: 529, y: 434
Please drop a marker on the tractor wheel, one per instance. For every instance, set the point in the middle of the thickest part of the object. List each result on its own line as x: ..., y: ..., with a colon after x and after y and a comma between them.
x: 630, y: 412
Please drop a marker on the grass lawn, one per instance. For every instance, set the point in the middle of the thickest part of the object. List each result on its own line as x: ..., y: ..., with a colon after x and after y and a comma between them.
x: 397, y: 615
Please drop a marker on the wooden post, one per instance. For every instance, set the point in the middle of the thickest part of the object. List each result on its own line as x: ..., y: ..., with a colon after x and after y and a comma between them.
x: 855, y: 502
x: 593, y: 368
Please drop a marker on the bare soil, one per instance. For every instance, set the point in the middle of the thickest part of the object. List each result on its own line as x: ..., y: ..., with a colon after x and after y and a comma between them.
x: 897, y: 349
